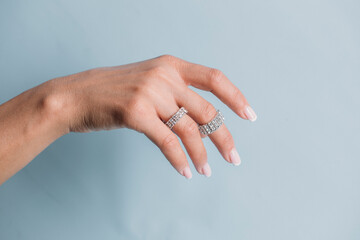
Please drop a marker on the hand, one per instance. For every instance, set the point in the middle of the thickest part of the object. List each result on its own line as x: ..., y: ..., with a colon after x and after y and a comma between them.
x: 144, y: 95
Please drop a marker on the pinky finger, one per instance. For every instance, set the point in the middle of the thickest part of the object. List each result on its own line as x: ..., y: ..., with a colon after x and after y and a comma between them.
x: 169, y: 145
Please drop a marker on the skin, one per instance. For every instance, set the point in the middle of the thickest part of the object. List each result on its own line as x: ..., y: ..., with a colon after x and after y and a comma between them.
x: 141, y: 96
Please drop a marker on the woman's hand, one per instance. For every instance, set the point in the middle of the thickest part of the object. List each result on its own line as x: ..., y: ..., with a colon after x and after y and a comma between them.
x: 141, y: 96
x: 144, y: 95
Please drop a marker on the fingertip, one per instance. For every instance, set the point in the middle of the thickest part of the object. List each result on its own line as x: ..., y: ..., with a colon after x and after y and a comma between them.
x: 234, y: 157
x: 250, y: 114
x: 186, y: 172
x: 206, y: 170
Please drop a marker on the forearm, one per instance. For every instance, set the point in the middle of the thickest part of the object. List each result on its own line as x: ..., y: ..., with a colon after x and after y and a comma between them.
x: 28, y: 124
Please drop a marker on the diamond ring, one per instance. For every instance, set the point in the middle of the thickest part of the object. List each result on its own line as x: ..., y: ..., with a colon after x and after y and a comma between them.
x: 176, y: 117
x: 213, y: 125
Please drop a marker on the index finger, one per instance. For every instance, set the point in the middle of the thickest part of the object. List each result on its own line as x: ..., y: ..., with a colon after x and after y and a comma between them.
x: 213, y: 80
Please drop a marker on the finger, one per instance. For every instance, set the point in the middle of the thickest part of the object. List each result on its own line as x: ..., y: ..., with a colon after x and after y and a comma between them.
x: 187, y: 129
x: 215, y: 81
x: 169, y: 145
x: 224, y: 142
x: 203, y: 112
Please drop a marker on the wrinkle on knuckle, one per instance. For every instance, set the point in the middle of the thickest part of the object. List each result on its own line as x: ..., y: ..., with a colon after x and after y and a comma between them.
x: 215, y: 77
x: 238, y: 102
x: 208, y: 112
x: 235, y: 97
x: 169, y: 142
x: 236, y: 94
x: 190, y: 128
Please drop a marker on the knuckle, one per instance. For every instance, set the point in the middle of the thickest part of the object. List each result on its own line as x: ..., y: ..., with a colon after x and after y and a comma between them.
x: 236, y: 94
x: 168, y: 59
x: 170, y: 141
x: 208, y: 112
x: 215, y: 76
x: 190, y: 128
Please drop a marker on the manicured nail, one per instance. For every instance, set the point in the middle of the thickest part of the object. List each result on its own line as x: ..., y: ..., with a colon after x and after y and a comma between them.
x: 186, y: 172
x: 250, y: 114
x: 234, y: 157
x: 206, y: 170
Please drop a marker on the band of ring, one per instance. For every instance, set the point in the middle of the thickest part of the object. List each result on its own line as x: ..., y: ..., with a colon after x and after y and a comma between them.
x: 213, y: 125
x: 176, y: 117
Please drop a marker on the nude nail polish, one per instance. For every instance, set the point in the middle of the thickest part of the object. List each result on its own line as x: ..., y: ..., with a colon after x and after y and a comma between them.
x: 186, y: 172
x: 206, y: 170
x: 234, y: 157
x: 250, y: 114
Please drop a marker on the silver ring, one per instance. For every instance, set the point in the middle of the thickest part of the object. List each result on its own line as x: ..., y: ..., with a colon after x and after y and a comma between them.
x: 176, y: 117
x: 213, y: 125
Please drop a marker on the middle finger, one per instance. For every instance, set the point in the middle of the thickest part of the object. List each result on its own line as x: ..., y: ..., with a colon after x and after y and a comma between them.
x: 203, y: 112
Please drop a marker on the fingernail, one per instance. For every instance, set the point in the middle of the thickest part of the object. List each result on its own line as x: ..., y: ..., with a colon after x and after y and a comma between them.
x: 250, y: 114
x: 206, y: 170
x: 234, y: 157
x: 186, y: 172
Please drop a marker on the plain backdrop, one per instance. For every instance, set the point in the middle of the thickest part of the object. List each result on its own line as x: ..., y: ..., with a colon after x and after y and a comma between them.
x: 297, y: 62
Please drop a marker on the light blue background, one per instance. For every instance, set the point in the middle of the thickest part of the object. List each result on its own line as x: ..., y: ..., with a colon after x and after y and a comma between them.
x: 296, y: 61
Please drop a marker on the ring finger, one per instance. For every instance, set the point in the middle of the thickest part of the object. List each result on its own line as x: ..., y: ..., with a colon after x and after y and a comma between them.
x: 187, y: 129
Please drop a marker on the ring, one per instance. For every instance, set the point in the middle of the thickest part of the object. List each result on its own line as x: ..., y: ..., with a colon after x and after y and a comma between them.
x: 176, y: 117
x: 213, y: 125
